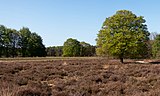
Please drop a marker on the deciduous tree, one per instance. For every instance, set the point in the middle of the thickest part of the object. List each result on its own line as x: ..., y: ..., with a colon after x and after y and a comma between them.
x: 71, y: 48
x: 14, y: 39
x: 36, y: 47
x: 156, y: 47
x: 87, y: 49
x: 123, y: 34
x: 2, y: 35
x: 25, y: 34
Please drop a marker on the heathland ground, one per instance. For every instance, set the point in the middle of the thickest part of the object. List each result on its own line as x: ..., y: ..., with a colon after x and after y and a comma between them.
x: 77, y: 76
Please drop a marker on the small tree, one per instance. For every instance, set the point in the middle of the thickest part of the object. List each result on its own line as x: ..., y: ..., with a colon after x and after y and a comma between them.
x: 87, y: 49
x: 71, y: 48
x: 156, y: 47
x: 123, y: 34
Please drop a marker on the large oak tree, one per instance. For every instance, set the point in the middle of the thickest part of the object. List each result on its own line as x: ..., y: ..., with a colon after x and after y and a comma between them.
x: 123, y: 34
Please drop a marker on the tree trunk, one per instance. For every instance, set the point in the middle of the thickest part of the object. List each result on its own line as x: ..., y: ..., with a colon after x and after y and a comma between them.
x: 121, y: 60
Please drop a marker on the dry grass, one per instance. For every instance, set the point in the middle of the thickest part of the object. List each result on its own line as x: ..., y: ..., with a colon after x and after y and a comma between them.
x: 8, y: 89
x: 79, y: 77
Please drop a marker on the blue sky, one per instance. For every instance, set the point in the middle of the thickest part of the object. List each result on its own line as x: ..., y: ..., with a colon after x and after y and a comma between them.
x: 58, y: 20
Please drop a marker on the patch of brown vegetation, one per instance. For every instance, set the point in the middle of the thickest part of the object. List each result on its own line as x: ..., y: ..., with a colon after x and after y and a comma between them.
x: 96, y: 77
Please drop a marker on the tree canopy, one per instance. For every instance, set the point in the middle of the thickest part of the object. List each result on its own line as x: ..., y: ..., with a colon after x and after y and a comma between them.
x: 156, y: 47
x: 123, y: 34
x: 56, y: 51
x: 87, y: 49
x: 71, y: 48
x: 20, y: 43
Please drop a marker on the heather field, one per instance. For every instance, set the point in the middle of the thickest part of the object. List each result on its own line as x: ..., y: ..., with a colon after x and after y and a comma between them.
x: 88, y: 76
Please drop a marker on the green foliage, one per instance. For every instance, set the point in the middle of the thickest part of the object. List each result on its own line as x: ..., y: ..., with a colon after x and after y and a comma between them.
x: 54, y: 51
x: 16, y: 43
x: 14, y: 39
x: 156, y: 47
x: 87, y: 49
x: 2, y: 35
x: 123, y: 35
x: 9, y: 41
x: 36, y: 47
x: 71, y: 48
x: 31, y: 43
x: 25, y: 36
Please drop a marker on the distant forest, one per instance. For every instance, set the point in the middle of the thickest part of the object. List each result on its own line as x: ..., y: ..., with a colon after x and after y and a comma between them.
x: 24, y: 43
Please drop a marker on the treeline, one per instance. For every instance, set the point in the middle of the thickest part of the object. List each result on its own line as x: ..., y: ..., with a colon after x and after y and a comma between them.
x: 24, y: 43
x: 21, y: 43
x: 123, y: 35
x: 55, y: 51
x: 72, y: 48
